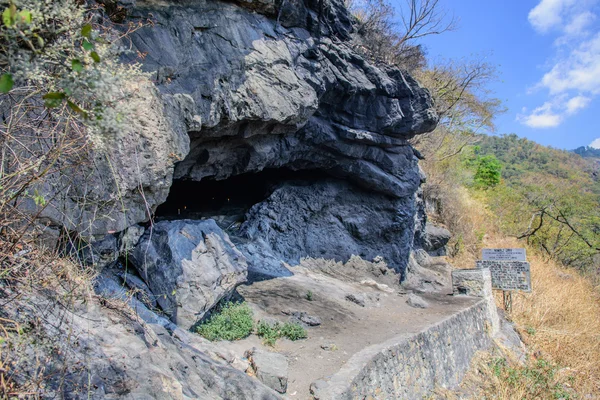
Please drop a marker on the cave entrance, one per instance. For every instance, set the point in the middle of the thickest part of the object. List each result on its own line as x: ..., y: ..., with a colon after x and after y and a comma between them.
x: 227, y: 201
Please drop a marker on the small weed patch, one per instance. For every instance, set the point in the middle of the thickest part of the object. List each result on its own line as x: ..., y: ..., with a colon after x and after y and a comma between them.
x: 310, y: 296
x: 232, y: 322
x: 271, y: 332
x: 538, y: 379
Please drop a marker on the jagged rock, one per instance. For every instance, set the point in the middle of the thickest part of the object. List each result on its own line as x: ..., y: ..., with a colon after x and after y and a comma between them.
x: 189, y: 266
x: 123, y: 178
x: 416, y: 301
x: 426, y: 273
x: 379, y: 286
x: 252, y: 85
x: 131, y: 236
x: 270, y: 368
x: 356, y: 299
x: 302, y: 317
x: 256, y: 94
x: 141, y: 291
x: 246, y: 86
x: 110, y: 353
x: 107, y: 287
x: 331, y: 220
x: 436, y: 237
x: 99, y: 253
x: 318, y: 386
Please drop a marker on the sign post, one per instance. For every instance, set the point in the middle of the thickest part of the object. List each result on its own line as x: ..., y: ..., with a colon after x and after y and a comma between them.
x: 510, y: 272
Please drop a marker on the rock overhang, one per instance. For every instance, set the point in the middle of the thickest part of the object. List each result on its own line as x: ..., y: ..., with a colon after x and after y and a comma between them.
x: 281, y: 93
x: 244, y: 90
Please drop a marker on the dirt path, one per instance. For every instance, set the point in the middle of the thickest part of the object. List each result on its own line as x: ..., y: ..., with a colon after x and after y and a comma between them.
x: 346, y: 327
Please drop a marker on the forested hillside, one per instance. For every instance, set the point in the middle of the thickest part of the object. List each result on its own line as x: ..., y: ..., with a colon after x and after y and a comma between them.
x: 587, y: 151
x: 549, y: 197
x: 504, y: 191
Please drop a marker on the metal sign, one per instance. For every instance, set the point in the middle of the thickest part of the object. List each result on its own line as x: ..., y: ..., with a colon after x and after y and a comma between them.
x: 508, y: 275
x: 504, y: 255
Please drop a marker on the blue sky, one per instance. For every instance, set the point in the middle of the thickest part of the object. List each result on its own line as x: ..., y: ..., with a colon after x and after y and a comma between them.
x: 547, y: 53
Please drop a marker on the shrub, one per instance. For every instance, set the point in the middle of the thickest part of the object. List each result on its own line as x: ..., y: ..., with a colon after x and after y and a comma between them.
x: 488, y: 172
x: 232, y: 322
x: 271, y: 332
x: 537, y: 379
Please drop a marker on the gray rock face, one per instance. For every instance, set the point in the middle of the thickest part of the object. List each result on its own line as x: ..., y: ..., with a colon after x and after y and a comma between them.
x: 425, y: 273
x: 260, y: 94
x: 246, y: 86
x: 109, y: 288
x: 119, y: 181
x: 436, y: 237
x: 293, y: 94
x: 113, y: 354
x: 302, y: 317
x: 333, y: 220
x: 416, y: 301
x: 270, y: 368
x: 189, y: 266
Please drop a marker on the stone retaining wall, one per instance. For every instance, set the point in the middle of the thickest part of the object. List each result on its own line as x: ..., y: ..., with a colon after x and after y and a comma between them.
x: 411, y: 366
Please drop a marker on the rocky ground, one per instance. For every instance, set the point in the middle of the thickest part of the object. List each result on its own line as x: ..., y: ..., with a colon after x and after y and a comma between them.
x: 353, y: 312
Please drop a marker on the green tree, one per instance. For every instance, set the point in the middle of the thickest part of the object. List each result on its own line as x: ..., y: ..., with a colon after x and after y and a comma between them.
x: 488, y: 172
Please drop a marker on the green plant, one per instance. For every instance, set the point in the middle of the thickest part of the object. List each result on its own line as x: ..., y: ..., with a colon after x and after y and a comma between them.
x: 270, y: 332
x: 488, y: 171
x: 293, y: 331
x: 231, y: 322
x: 538, y: 379
x: 530, y: 330
x: 309, y: 295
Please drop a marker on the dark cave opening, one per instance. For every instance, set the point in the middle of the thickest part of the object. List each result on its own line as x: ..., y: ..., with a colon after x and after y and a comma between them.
x: 228, y: 200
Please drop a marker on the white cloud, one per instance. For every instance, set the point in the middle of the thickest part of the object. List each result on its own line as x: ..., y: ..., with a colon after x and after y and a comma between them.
x: 577, y: 103
x: 541, y: 121
x: 579, y: 23
x: 578, y: 70
x: 552, y: 113
x: 548, y: 14
x: 574, y: 78
x: 541, y: 117
x: 595, y: 144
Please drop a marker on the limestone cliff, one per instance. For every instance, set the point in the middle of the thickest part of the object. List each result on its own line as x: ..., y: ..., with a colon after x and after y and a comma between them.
x: 260, y: 86
x: 262, y: 117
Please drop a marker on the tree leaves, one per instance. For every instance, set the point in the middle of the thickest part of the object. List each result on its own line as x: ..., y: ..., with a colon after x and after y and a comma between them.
x: 6, y: 83
x: 53, y: 99
x: 76, y: 65
x: 86, y: 31
x: 10, y: 16
x: 95, y: 57
x: 25, y: 16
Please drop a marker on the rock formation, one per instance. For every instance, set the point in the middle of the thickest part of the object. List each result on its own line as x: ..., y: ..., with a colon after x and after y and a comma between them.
x: 244, y: 89
x: 189, y: 266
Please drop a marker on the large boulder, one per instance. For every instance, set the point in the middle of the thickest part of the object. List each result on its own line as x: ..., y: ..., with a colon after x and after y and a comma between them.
x: 189, y: 266
x: 436, y: 238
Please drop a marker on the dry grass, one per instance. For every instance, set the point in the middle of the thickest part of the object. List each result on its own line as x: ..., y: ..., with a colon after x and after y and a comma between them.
x: 37, y: 289
x: 468, y: 218
x: 562, y: 316
x: 559, y: 320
